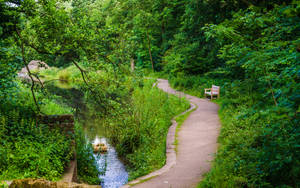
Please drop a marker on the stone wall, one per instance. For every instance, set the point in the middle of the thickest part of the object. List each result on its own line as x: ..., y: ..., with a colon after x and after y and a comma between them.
x: 64, y: 122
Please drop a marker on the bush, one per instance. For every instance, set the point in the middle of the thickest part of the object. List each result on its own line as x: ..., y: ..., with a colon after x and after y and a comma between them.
x: 258, y: 148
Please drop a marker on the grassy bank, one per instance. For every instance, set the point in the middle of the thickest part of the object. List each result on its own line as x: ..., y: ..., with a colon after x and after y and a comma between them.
x: 139, y: 131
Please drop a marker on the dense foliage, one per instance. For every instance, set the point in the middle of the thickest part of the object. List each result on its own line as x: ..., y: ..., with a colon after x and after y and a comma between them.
x: 259, y: 81
x: 29, y: 149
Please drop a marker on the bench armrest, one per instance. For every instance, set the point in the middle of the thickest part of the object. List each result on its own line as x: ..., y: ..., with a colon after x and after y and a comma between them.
x: 207, y: 89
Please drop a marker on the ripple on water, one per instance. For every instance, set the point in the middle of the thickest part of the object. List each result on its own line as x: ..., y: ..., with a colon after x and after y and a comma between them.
x: 115, y: 173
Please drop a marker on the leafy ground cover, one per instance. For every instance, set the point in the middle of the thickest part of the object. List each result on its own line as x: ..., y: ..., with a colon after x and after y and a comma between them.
x: 29, y: 149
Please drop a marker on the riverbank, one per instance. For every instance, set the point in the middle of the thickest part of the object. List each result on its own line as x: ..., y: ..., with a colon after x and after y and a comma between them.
x: 141, y: 139
x: 136, y: 124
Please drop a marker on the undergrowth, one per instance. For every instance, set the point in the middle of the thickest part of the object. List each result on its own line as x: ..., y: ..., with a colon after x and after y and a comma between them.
x: 30, y: 149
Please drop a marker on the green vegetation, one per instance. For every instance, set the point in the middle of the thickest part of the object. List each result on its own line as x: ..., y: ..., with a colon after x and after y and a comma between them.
x: 87, y: 167
x: 29, y: 149
x: 259, y: 140
x: 139, y: 132
x: 250, y: 48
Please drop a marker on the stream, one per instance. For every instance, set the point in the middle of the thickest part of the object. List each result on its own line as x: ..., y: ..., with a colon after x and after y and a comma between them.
x: 113, y: 171
x: 115, y: 174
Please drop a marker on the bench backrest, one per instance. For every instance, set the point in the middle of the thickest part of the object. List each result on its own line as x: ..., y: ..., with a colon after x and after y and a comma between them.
x: 215, y: 88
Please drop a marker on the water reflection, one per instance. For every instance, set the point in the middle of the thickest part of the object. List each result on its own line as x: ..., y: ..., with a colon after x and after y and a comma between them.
x: 115, y: 173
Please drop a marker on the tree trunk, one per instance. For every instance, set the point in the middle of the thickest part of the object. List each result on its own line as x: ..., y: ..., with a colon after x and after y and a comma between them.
x: 149, y: 49
x: 132, y: 64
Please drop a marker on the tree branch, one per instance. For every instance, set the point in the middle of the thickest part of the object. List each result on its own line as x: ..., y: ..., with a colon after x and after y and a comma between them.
x: 28, y: 70
x: 37, y: 77
x: 30, y: 75
x: 81, y: 71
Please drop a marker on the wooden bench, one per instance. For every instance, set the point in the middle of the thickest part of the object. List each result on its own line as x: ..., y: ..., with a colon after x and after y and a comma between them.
x: 213, y: 91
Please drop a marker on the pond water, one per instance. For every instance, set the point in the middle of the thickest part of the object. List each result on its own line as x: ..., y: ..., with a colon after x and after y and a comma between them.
x: 113, y: 172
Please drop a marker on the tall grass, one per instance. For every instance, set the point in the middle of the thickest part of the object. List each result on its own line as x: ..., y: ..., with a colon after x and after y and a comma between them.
x: 139, y: 132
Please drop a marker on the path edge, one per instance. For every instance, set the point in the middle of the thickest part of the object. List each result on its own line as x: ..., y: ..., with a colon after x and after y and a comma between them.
x: 170, y: 147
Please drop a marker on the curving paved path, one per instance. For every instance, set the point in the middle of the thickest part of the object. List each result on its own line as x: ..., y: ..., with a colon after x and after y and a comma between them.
x: 197, y: 144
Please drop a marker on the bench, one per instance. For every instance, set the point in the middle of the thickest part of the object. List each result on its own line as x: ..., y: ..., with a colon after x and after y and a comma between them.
x: 213, y: 91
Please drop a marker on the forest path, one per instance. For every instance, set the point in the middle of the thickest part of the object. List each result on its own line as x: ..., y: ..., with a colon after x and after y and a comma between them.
x: 197, y: 142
